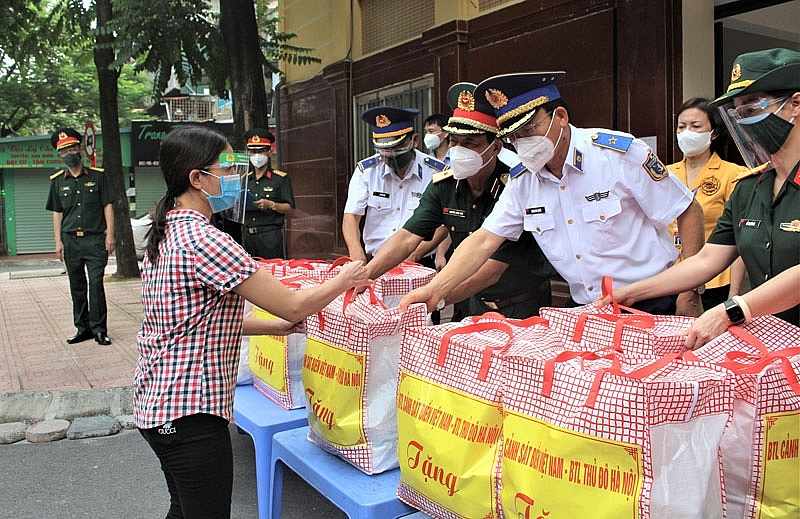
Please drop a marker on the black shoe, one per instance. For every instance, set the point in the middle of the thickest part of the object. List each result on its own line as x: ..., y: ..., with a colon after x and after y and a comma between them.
x: 80, y: 337
x: 102, y: 339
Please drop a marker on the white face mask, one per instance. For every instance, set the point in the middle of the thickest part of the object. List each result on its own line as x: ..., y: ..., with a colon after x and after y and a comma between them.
x: 466, y: 162
x: 537, y: 150
x: 693, y: 143
x: 432, y: 141
x: 259, y: 160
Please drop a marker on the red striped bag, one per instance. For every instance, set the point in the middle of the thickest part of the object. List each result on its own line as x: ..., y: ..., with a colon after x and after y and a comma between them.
x: 276, y: 361
x: 636, y: 335
x: 760, y: 454
x: 449, y: 413
x: 350, y: 376
x: 401, y: 280
x: 584, y: 439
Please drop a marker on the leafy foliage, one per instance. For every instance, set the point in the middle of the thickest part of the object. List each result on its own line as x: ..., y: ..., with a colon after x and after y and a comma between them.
x: 274, y: 42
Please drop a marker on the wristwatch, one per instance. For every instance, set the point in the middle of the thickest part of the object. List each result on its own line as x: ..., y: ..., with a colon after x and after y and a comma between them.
x: 734, y: 311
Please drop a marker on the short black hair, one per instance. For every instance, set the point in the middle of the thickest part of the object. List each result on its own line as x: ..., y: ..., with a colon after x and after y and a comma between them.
x: 438, y: 119
x: 719, y: 144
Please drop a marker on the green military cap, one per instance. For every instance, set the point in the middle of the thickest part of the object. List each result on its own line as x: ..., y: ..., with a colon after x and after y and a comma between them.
x: 762, y: 71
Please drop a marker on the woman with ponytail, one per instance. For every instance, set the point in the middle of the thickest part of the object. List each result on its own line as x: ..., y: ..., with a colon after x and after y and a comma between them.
x: 194, y: 282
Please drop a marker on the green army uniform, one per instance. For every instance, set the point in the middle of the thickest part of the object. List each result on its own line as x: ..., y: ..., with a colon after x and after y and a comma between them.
x: 765, y: 230
x: 524, y: 286
x: 81, y: 200
x: 263, y: 230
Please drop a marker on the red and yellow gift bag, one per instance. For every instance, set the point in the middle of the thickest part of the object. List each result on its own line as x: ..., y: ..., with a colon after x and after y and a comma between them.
x: 584, y: 438
x: 401, y: 280
x: 449, y: 414
x: 761, y: 445
x: 350, y: 378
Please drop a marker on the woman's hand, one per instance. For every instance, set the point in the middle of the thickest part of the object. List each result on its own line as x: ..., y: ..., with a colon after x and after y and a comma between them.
x: 354, y: 274
x: 708, y: 326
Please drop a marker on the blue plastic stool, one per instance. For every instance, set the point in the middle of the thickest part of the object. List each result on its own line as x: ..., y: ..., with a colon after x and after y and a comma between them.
x: 360, y: 496
x: 261, y: 418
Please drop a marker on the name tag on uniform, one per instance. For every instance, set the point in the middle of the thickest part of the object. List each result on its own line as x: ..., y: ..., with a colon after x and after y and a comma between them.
x: 382, y: 195
x: 535, y: 210
x: 416, y: 195
x: 460, y: 213
x: 752, y: 224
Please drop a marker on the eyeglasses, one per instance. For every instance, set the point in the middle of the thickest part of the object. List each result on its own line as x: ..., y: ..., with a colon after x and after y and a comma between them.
x: 754, y: 108
x: 529, y: 130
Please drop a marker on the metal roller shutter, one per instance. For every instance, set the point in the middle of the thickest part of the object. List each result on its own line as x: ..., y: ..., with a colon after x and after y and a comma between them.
x: 150, y: 188
x: 34, y: 224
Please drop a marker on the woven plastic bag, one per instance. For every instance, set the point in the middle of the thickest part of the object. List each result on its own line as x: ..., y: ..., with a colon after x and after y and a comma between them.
x: 399, y: 281
x: 449, y: 412
x: 350, y: 376
x: 760, y: 454
x: 583, y: 438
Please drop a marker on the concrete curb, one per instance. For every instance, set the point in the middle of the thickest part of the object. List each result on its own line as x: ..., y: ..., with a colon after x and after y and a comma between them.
x: 36, y: 406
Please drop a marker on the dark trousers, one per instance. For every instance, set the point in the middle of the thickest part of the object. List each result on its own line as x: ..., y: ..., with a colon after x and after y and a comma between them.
x: 197, y: 459
x: 265, y: 244
x: 86, y: 255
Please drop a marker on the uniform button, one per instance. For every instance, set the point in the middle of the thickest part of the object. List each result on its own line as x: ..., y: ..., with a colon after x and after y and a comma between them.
x: 398, y: 209
x: 474, y: 206
x: 766, y: 277
x: 590, y: 288
x: 453, y: 228
x: 563, y: 187
x: 379, y: 207
x: 577, y: 256
x: 602, y: 217
x: 768, y: 244
x: 394, y: 230
x: 569, y: 221
x: 538, y: 229
x: 470, y: 232
x: 401, y: 187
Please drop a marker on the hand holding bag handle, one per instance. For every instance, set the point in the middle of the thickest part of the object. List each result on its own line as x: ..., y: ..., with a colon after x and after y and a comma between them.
x: 497, y: 316
x: 472, y: 328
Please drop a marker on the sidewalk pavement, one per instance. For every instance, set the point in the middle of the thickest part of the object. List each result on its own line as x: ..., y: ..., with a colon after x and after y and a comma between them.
x: 43, y: 377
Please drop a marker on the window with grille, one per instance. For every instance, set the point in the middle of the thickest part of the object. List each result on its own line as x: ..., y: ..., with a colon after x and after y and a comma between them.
x: 385, y: 23
x: 416, y: 93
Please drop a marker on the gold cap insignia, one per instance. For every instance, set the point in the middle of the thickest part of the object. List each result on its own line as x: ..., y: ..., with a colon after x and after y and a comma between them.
x: 736, y: 73
x: 496, y: 98
x: 255, y: 138
x: 62, y: 136
x: 466, y: 101
x: 381, y: 121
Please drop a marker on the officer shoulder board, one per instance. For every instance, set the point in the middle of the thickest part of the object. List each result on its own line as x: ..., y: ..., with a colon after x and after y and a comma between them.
x: 99, y: 170
x: 612, y: 141
x: 441, y: 175
x: 751, y: 172
x: 517, y: 170
x: 279, y: 172
x: 434, y: 163
x: 369, y: 162
x: 56, y: 174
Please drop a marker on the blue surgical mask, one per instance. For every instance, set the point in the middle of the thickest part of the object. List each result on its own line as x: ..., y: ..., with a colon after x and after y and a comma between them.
x: 230, y: 189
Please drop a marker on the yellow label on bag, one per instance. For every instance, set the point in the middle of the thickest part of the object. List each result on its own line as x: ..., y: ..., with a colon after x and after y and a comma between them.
x: 447, y: 446
x: 268, y: 355
x: 780, y: 461
x: 548, y: 471
x: 334, y: 379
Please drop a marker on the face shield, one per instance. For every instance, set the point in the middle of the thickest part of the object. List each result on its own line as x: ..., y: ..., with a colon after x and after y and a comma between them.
x: 755, y: 127
x: 238, y: 164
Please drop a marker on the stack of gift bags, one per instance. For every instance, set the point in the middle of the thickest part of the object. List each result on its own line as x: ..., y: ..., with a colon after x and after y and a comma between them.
x: 595, y: 412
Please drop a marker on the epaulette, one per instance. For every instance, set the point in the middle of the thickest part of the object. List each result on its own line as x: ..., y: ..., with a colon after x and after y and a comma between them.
x: 751, y: 172
x: 369, y: 162
x: 517, y: 170
x: 434, y: 163
x: 441, y: 175
x: 56, y: 174
x: 612, y: 141
x: 511, y: 159
x: 99, y: 170
x: 249, y: 173
x: 279, y: 172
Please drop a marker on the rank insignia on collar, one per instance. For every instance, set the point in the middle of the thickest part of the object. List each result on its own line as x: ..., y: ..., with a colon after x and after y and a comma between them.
x: 597, y: 196
x: 577, y: 159
x: 793, y: 226
x: 654, y: 167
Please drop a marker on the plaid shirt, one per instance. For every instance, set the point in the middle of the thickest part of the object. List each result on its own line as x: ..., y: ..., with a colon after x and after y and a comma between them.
x: 191, y: 334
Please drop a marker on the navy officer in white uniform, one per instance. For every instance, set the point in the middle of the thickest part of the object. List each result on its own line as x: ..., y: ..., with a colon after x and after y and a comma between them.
x: 597, y: 201
x: 386, y: 187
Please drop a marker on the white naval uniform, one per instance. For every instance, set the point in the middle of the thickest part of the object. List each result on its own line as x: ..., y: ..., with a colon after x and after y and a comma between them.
x: 608, y: 214
x: 387, y: 200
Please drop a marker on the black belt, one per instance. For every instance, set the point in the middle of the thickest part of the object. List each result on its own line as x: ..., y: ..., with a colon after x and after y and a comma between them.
x: 81, y: 234
x: 263, y: 228
x: 519, y: 298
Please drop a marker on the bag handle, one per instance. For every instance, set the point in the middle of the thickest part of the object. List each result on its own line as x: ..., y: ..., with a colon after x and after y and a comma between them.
x: 638, y: 374
x: 350, y: 295
x: 524, y: 323
x: 300, y: 264
x: 550, y: 365
x: 732, y: 356
x: 338, y: 262
x: 294, y: 281
x: 786, y: 366
x: 401, y: 268
x: 483, y: 326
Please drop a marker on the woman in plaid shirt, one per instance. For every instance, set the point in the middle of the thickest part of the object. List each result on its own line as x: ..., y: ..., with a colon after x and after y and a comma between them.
x: 194, y: 282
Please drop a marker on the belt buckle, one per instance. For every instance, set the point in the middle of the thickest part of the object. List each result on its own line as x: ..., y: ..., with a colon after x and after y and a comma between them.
x: 252, y: 230
x: 491, y: 304
x: 79, y: 234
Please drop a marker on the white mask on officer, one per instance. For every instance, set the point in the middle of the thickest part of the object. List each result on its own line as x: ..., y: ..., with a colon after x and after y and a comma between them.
x: 466, y: 162
x: 536, y: 151
x: 432, y: 141
x: 259, y: 160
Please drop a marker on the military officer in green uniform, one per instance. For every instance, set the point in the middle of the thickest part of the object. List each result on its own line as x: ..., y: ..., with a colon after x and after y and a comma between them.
x: 516, y: 280
x: 263, y: 233
x: 83, y: 224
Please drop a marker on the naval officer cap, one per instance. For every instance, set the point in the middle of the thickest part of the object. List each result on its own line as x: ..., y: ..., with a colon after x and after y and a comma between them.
x: 65, y: 137
x: 470, y: 116
x: 258, y: 139
x: 517, y: 97
x: 390, y: 124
